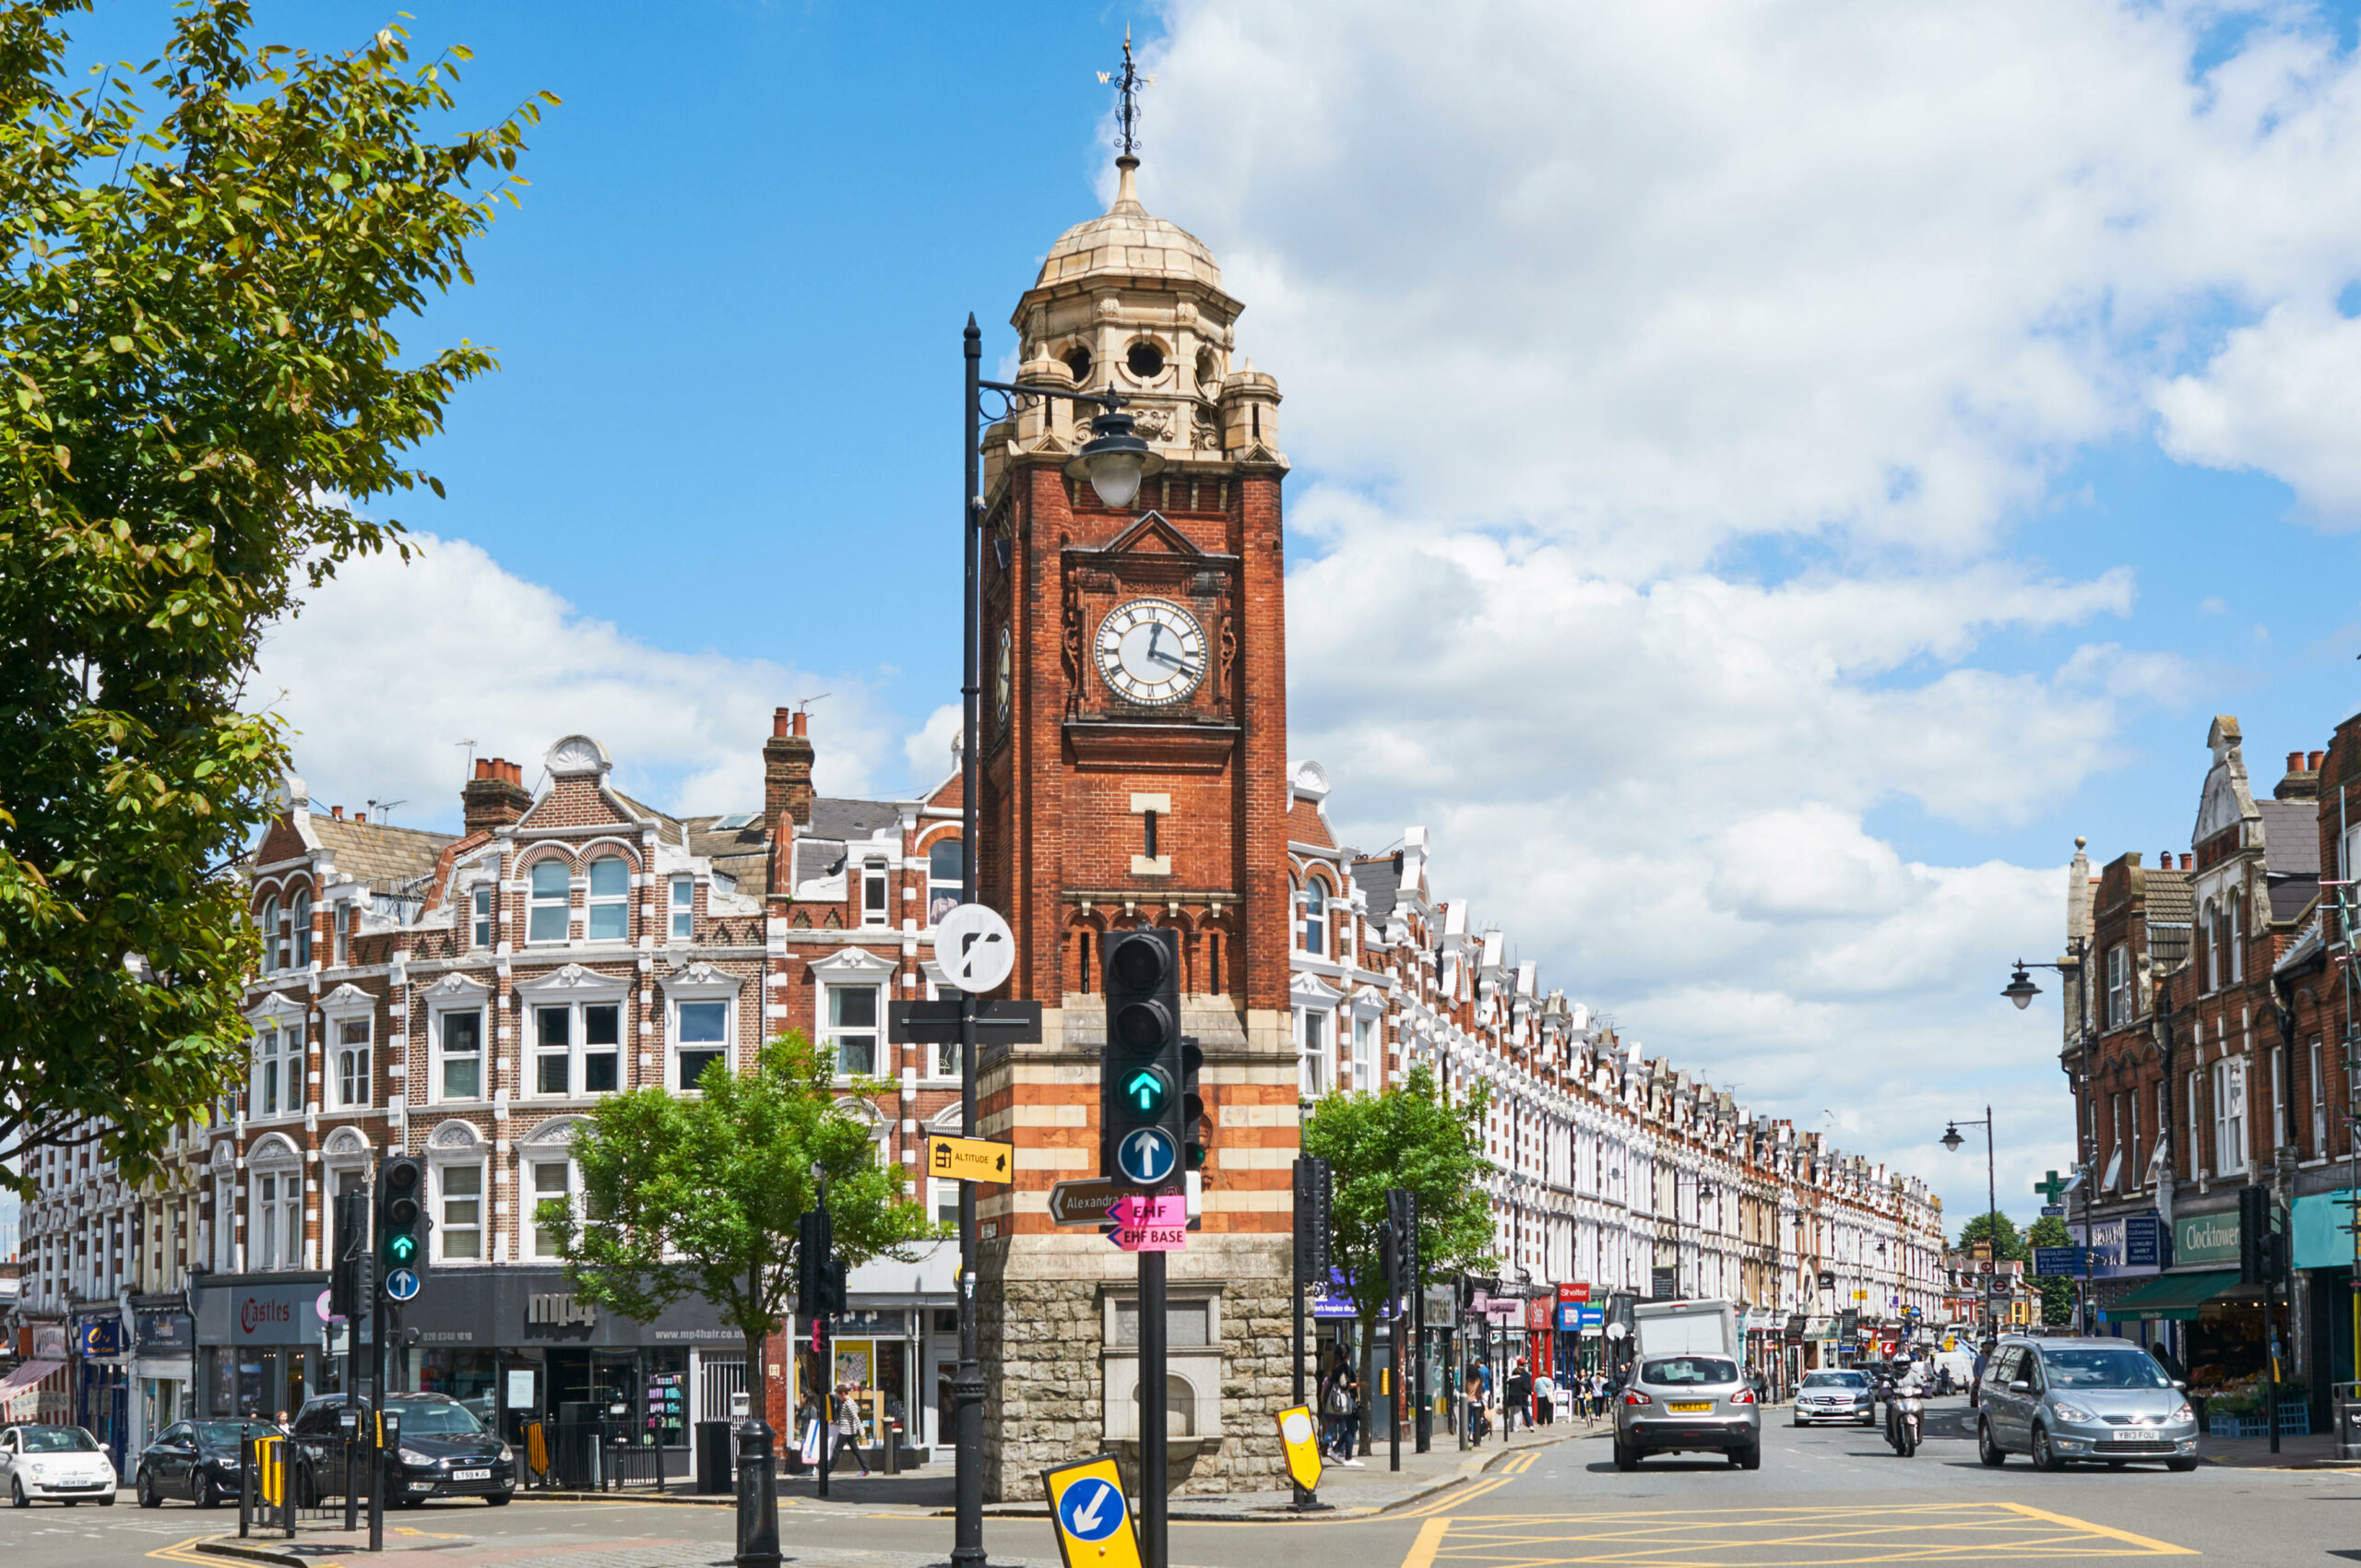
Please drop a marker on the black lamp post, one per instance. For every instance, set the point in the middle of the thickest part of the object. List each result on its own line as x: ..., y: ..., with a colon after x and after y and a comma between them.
x: 1951, y: 1140
x: 1114, y: 460
x: 2022, y: 991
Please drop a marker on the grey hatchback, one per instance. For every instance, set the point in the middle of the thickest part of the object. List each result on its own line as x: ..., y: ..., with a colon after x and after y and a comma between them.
x: 1677, y: 1403
x: 2062, y: 1400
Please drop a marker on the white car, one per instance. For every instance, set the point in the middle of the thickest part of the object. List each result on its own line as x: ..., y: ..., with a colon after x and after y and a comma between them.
x: 64, y: 1464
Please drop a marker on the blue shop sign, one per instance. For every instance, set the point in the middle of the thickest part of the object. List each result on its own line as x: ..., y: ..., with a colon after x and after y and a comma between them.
x: 98, y: 1336
x: 2144, y: 1241
x: 1573, y: 1317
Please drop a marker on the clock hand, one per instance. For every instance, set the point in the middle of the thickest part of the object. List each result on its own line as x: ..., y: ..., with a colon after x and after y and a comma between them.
x: 1183, y: 665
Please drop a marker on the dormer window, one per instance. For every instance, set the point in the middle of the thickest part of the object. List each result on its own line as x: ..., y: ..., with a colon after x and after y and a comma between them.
x: 549, y: 921
x: 610, y: 899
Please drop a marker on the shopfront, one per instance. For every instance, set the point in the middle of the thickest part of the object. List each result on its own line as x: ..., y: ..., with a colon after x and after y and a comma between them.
x: 100, y: 1385
x: 262, y: 1344
x: 163, y: 1369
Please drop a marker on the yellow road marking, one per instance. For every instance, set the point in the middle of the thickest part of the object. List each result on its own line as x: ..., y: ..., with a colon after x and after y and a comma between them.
x: 2164, y: 1549
x: 179, y: 1551
x: 1453, y: 1498
x: 1422, y: 1551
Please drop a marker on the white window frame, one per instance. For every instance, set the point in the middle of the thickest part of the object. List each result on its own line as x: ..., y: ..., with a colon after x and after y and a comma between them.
x: 2319, y: 1103
x: 275, y: 1224
x: 483, y: 915
x: 2119, y: 986
x: 2278, y: 1101
x: 595, y: 904
x: 2210, y: 922
x: 442, y: 1229
x: 1365, y: 1031
x: 457, y: 993
x: 575, y: 990
x: 1315, y: 1058
x: 877, y: 877
x: 225, y: 1222
x: 680, y: 921
x: 342, y: 920
x: 699, y: 983
x: 335, y: 1073
x: 853, y: 966
x: 2237, y: 936
x: 834, y: 1032
x: 530, y: 1194
x: 269, y: 922
x: 940, y: 891
x: 2229, y: 1117
x: 262, y: 1092
x: 1313, y: 907
x: 300, y: 919
x: 538, y: 904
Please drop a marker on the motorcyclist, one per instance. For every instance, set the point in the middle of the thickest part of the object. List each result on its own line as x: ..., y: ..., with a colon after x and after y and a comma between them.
x: 1906, y: 1379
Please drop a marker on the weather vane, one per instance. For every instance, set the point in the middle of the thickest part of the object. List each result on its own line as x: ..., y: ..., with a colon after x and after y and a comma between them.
x: 1128, y: 116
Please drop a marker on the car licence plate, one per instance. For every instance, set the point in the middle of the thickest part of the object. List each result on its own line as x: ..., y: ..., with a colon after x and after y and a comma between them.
x: 1695, y: 1409
x: 472, y: 1475
x: 2134, y: 1435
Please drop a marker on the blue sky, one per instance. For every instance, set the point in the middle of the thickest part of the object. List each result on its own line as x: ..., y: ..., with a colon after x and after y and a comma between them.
x: 1606, y: 336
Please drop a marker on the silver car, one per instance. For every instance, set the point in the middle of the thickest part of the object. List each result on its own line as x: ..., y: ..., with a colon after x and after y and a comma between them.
x: 2061, y: 1401
x: 1688, y: 1403
x: 1836, y: 1395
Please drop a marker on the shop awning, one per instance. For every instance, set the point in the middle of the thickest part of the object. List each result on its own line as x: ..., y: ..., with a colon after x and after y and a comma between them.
x: 2170, y: 1296
x: 27, y: 1374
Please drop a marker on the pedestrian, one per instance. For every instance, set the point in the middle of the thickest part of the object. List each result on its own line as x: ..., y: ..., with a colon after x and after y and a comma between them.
x: 1598, y: 1395
x: 1336, y: 1406
x: 848, y: 1428
x: 1545, y: 1399
x: 1516, y: 1397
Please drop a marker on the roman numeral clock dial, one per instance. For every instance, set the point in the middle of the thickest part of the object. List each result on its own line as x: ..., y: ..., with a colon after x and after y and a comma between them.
x: 1151, y: 651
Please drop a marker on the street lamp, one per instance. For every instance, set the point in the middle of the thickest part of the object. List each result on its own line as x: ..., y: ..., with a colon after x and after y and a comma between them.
x: 2020, y: 989
x: 1951, y: 1140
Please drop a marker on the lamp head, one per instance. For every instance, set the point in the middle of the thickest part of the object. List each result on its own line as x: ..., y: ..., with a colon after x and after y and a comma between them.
x: 1114, y: 460
x: 1951, y: 1140
x: 2020, y: 989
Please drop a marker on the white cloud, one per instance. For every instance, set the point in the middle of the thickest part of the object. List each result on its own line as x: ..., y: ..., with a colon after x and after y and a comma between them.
x: 932, y: 749
x: 389, y: 667
x: 1581, y: 311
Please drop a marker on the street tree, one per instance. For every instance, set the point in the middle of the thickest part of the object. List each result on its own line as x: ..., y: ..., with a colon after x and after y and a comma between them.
x: 2008, y: 1244
x: 201, y: 260
x: 701, y: 1195
x: 2057, y: 1290
x: 1410, y: 1135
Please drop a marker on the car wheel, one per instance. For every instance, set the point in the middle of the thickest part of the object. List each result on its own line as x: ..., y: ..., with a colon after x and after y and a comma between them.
x: 1624, y: 1458
x: 2044, y: 1456
x: 203, y: 1492
x: 1750, y: 1456
x: 70, y: 1501
x: 1992, y: 1453
x: 148, y: 1496
x: 108, y: 1501
x: 2180, y: 1466
x: 498, y: 1500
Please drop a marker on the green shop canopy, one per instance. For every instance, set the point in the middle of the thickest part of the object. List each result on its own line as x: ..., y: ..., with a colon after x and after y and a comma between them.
x: 2170, y: 1296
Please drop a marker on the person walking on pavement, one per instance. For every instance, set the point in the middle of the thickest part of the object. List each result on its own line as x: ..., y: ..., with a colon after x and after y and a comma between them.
x: 1516, y: 1396
x: 847, y: 1433
x: 1545, y: 1399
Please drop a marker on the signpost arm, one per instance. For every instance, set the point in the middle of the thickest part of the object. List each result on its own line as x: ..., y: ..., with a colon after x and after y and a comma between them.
x: 1152, y: 1414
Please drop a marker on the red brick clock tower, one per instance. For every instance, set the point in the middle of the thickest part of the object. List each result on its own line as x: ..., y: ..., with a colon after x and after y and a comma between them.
x: 1133, y: 772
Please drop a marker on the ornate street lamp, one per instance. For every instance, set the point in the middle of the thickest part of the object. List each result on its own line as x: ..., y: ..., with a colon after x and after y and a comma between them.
x: 2020, y: 989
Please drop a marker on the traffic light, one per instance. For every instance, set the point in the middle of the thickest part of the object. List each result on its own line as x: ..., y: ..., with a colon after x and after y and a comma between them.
x: 833, y: 1277
x: 401, y: 1220
x: 1196, y: 1129
x: 351, y: 1269
x: 1313, y: 1214
x: 1402, y: 1219
x: 1140, y: 1068
x: 815, y: 1236
x: 2257, y: 1242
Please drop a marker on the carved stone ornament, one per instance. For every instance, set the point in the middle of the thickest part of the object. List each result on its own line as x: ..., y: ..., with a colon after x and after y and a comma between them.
x: 1206, y: 433
x: 344, y: 1140
x: 572, y: 977
x: 454, y: 1134
x: 457, y: 984
x: 558, y: 1129
x: 1155, y: 423
x: 576, y: 756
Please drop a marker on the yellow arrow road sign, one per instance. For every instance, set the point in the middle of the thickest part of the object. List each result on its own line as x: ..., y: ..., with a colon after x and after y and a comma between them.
x: 1086, y: 1508
x: 1300, y: 1435
x: 972, y: 1159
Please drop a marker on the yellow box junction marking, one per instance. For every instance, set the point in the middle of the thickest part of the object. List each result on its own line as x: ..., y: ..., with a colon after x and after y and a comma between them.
x: 1771, y: 1538
x: 1300, y: 1435
x: 970, y: 1159
x: 1090, y: 1516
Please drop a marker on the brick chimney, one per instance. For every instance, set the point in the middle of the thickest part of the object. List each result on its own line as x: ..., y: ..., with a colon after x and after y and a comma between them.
x: 2302, y: 779
x: 496, y: 796
x: 787, y: 769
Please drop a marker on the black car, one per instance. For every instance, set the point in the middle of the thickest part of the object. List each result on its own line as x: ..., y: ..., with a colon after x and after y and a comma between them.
x: 202, y: 1461
x: 444, y: 1452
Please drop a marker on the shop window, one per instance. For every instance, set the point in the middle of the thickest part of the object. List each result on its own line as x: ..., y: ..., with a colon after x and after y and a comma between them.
x: 700, y: 1039
x: 551, y: 910
x: 461, y: 1053
x: 610, y: 900
x: 852, y: 1028
x: 685, y: 899
x: 461, y: 1229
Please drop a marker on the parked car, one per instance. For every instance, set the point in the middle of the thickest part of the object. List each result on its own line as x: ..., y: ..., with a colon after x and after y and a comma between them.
x: 444, y: 1452
x: 64, y: 1464
x: 2063, y: 1400
x: 1838, y: 1395
x: 1689, y: 1402
x: 202, y: 1461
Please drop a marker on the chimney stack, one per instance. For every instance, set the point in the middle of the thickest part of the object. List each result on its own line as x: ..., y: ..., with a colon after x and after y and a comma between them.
x: 2302, y: 779
x: 787, y: 769
x: 496, y: 796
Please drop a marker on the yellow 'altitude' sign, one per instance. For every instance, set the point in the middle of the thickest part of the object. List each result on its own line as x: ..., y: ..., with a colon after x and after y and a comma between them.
x: 1300, y: 1435
x: 970, y: 1159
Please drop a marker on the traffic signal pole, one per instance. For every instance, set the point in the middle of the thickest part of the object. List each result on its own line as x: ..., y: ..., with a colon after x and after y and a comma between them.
x: 967, y: 1383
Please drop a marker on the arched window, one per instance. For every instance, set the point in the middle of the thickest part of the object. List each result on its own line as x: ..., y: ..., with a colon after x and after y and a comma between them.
x: 551, y: 916
x: 1315, y: 918
x: 269, y: 935
x: 302, y: 931
x: 946, y: 871
x: 610, y: 899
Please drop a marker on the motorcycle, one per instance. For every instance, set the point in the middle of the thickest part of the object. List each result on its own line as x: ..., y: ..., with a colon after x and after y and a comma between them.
x: 1904, y: 1415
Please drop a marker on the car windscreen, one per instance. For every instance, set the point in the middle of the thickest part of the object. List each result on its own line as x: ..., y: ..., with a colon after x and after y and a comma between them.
x: 229, y: 1434
x: 56, y: 1440
x: 2103, y: 1369
x: 1832, y: 1380
x: 1678, y: 1372
x: 437, y: 1420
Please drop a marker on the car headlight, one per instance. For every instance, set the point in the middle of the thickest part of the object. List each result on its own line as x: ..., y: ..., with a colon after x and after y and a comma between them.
x: 2183, y: 1414
x: 414, y: 1459
x: 507, y: 1455
x: 2072, y: 1413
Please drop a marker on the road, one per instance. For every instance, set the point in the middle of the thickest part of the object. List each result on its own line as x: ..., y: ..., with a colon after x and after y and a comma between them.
x: 1823, y: 1496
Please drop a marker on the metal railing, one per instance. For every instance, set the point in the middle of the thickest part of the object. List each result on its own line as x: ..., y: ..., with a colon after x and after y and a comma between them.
x: 589, y: 1456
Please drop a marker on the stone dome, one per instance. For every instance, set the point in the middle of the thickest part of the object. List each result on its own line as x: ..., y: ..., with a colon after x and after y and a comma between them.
x: 1126, y: 242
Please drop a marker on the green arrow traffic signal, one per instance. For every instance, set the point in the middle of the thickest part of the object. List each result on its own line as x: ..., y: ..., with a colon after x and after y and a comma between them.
x: 401, y: 1249
x: 1144, y: 1093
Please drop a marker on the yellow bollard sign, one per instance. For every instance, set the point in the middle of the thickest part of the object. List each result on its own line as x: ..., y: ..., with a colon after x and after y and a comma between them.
x: 270, y: 1469
x: 1093, y: 1522
x: 1300, y: 1435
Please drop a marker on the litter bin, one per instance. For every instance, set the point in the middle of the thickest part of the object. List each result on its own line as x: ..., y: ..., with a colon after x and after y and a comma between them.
x: 2348, y: 1420
x: 716, y: 1464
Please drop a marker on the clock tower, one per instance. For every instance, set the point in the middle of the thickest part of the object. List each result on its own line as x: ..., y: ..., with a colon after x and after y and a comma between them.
x: 1134, y: 773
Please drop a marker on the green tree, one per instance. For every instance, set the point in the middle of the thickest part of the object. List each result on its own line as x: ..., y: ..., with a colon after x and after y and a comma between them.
x: 702, y: 1197
x: 1413, y: 1135
x: 1997, y: 1227
x: 200, y: 385
x: 2057, y: 1290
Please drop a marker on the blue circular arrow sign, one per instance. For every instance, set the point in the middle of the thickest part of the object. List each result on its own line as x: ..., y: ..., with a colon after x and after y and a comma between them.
x: 401, y: 1284
x: 1147, y: 1155
x: 1091, y: 1509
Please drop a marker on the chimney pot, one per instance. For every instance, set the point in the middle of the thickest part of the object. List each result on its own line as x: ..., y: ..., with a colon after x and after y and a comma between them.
x: 360, y: 816
x: 2294, y: 761
x: 782, y: 721
x: 2314, y: 766
x: 801, y: 718
x: 483, y: 767
x: 2186, y: 861
x: 495, y: 797
x: 337, y: 812
x: 787, y: 771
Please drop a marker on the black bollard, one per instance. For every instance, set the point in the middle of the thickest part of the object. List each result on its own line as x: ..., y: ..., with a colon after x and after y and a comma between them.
x: 757, y: 1497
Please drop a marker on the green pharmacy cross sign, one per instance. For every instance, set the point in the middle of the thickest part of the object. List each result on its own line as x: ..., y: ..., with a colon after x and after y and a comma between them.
x: 2053, y: 1190
x: 1146, y: 1092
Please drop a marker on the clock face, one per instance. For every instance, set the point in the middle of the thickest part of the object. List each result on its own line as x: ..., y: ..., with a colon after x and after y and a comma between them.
x: 1151, y: 651
x: 1004, y: 675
